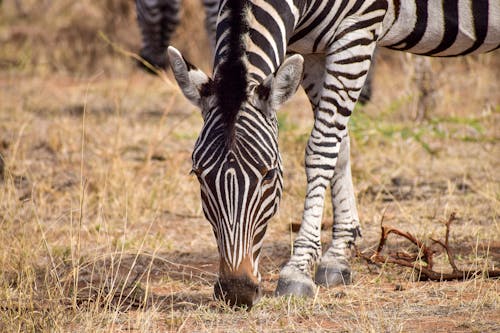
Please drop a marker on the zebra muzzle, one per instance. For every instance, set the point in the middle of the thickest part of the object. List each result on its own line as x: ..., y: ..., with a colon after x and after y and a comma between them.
x: 239, y: 291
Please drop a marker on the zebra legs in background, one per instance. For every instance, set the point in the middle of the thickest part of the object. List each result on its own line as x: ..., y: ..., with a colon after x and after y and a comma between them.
x: 327, y: 164
x: 158, y: 19
x: 211, y: 14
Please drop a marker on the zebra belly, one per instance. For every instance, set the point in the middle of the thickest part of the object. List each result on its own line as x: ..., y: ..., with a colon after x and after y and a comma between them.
x: 442, y: 28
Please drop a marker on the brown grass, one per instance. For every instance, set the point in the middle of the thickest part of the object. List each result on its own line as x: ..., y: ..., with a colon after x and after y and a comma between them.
x: 101, y: 227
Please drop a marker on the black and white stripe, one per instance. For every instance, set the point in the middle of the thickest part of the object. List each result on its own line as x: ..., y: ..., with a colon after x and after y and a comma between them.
x: 237, y: 148
x: 442, y: 28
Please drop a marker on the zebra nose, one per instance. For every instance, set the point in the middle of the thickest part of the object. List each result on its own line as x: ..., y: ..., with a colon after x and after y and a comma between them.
x: 237, y: 291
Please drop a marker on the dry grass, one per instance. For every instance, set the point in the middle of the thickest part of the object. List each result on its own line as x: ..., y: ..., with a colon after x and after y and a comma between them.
x: 100, y: 223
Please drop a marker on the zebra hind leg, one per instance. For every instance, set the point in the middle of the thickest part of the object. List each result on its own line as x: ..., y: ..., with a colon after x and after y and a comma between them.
x: 334, y: 268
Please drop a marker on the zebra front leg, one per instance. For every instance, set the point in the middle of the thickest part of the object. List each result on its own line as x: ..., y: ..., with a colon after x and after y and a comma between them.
x: 295, y: 277
x: 346, y: 66
x: 347, y: 69
x: 334, y: 268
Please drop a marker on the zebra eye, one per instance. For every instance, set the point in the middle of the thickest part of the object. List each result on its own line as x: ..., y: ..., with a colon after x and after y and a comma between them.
x: 269, y: 174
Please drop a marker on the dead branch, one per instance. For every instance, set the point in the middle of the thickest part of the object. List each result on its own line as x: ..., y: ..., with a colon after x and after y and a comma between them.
x: 446, y: 247
x: 425, y: 254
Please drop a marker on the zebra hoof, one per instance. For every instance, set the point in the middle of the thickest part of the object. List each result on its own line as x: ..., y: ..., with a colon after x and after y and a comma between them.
x: 333, y: 274
x: 295, y: 283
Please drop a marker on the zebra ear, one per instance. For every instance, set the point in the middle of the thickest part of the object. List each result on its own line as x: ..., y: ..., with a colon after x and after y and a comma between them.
x: 277, y: 88
x: 192, y: 81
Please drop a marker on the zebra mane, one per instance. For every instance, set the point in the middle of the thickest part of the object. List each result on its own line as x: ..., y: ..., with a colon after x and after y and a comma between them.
x: 231, y: 77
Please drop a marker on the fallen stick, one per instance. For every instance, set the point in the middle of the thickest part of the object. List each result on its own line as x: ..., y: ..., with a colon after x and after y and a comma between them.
x: 424, y: 272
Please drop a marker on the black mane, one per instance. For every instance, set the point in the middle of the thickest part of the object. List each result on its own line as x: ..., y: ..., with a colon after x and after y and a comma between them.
x: 231, y: 77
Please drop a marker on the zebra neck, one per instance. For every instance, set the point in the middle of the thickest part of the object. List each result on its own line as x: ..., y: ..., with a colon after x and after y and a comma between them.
x: 230, y: 70
x: 267, y: 27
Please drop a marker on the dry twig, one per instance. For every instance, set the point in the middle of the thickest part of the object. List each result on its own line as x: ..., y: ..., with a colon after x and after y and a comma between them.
x: 425, y: 254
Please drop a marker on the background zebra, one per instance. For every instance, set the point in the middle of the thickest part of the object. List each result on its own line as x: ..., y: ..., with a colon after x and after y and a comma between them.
x: 236, y: 157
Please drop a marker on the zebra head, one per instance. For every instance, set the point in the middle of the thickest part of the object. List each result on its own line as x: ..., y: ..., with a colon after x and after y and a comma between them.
x: 238, y: 165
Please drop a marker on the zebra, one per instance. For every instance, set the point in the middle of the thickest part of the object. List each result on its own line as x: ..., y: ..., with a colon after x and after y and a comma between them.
x: 264, y: 50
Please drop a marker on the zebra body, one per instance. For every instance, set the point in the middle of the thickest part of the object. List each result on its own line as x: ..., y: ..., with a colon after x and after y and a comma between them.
x: 236, y: 156
x: 468, y: 27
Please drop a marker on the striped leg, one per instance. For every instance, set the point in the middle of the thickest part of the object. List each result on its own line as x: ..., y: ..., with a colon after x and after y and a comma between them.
x: 211, y: 13
x: 346, y: 69
x: 334, y: 267
x: 295, y: 279
x: 157, y: 20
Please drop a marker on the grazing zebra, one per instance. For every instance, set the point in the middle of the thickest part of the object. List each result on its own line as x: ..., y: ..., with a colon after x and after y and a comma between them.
x: 158, y: 20
x: 236, y: 157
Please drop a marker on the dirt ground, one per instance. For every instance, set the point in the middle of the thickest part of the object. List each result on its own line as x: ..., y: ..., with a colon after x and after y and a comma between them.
x: 101, y: 228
